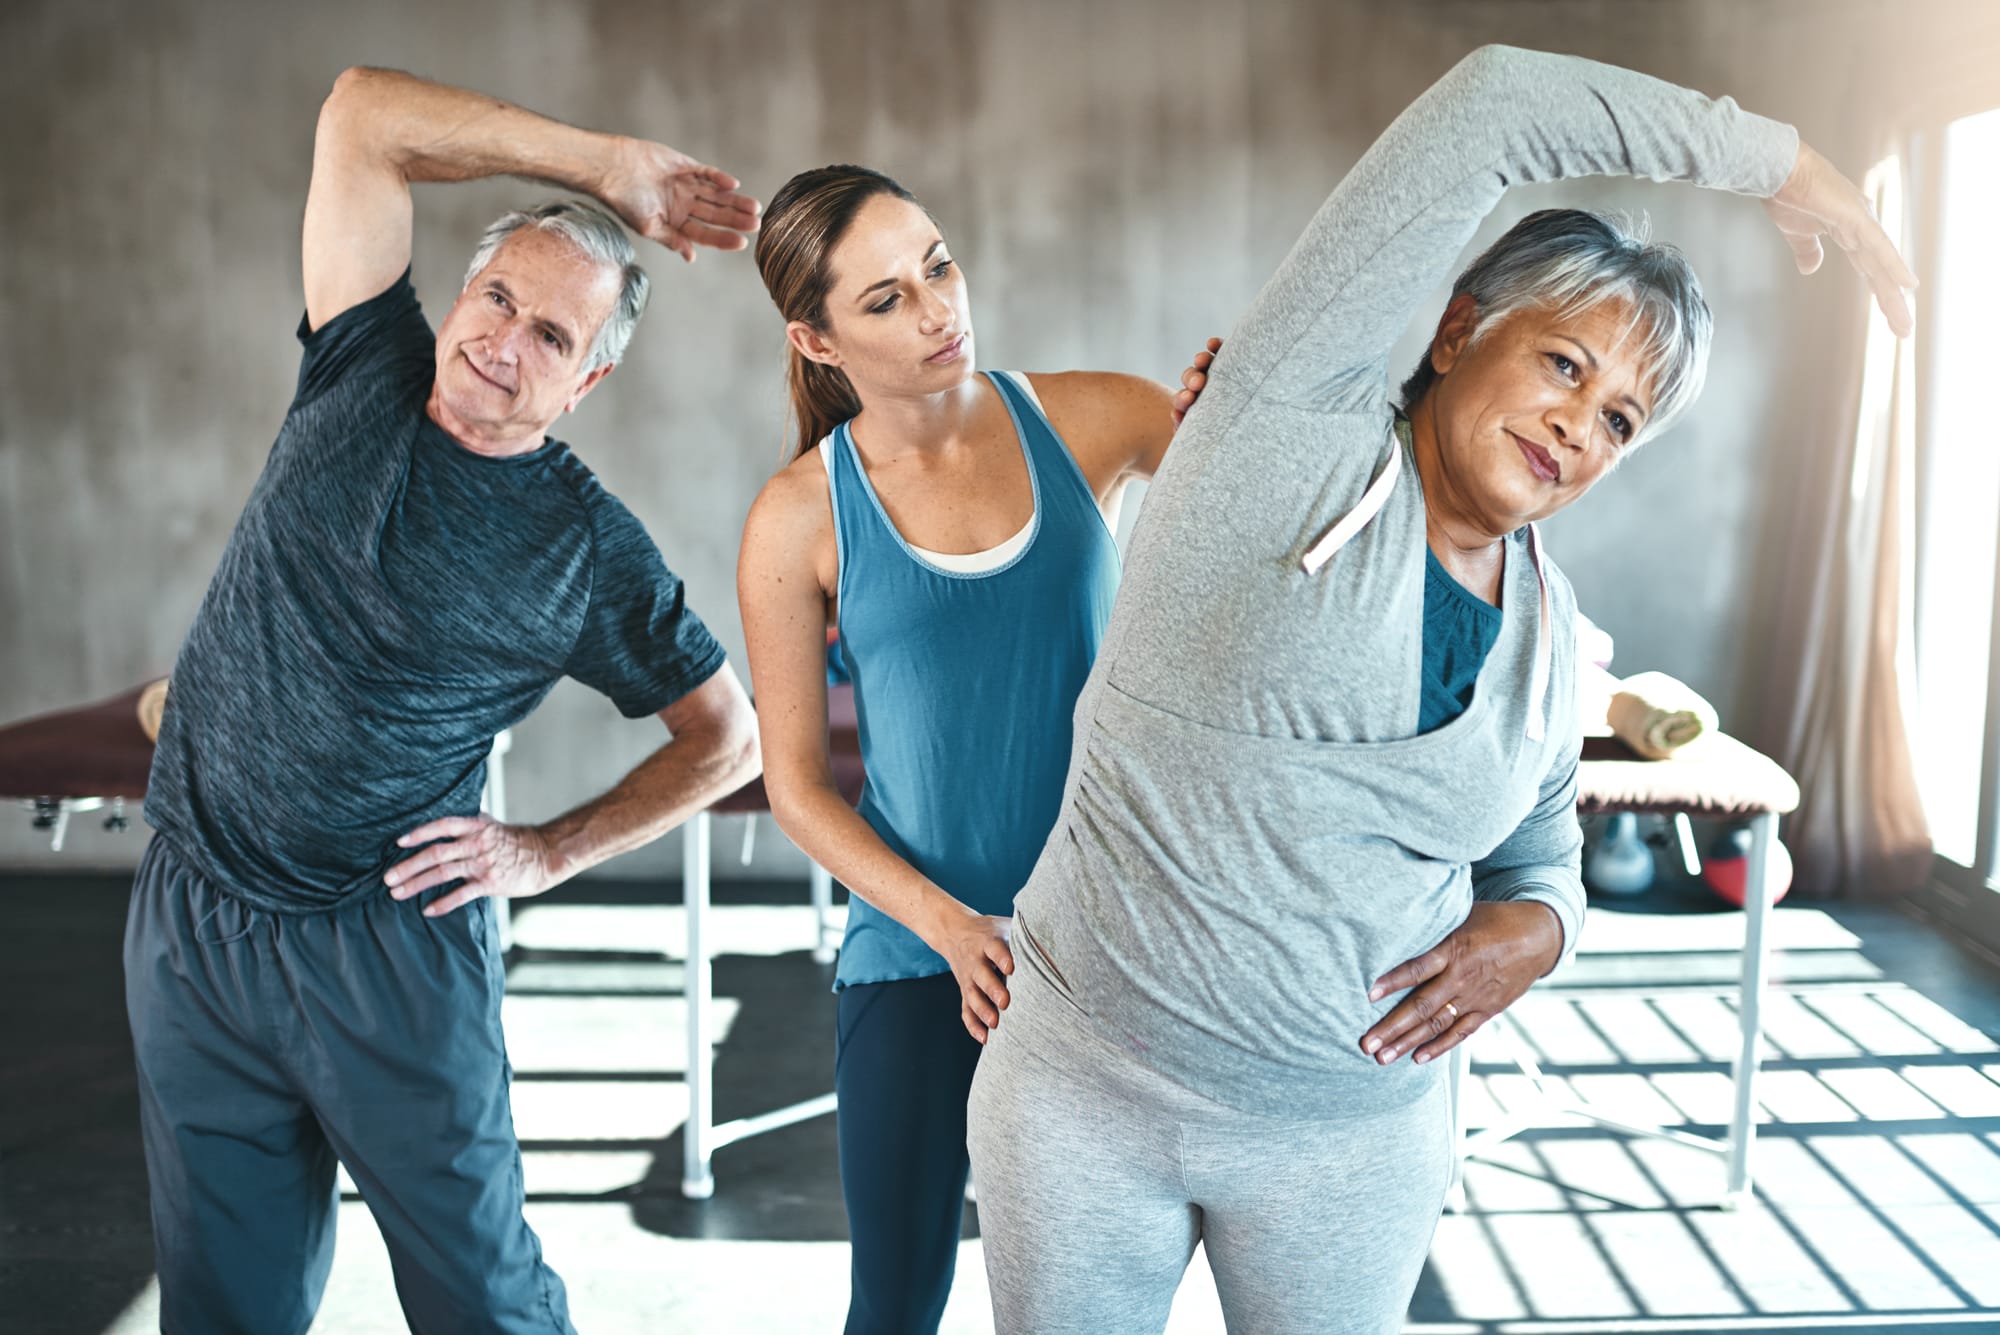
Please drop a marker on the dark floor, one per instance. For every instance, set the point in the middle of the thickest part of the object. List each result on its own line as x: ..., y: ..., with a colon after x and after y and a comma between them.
x: 1879, y: 1161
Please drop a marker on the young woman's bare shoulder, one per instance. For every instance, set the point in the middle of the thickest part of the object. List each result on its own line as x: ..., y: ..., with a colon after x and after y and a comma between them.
x: 1108, y: 387
x: 792, y: 514
x: 1102, y: 402
x: 1106, y: 417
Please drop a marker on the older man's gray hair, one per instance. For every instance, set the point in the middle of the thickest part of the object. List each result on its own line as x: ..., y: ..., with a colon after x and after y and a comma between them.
x: 601, y: 237
x: 1569, y: 260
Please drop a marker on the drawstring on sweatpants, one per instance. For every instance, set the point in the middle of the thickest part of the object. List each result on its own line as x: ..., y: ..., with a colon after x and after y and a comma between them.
x: 249, y: 921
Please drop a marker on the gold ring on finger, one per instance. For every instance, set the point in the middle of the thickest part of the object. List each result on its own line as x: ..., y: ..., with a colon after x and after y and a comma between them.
x: 1453, y: 1009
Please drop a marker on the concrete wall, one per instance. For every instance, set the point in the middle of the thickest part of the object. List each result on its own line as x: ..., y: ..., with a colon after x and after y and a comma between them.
x: 1117, y: 178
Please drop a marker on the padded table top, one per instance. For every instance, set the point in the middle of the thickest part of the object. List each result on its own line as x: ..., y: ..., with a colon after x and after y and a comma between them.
x: 93, y: 751
x: 1716, y: 777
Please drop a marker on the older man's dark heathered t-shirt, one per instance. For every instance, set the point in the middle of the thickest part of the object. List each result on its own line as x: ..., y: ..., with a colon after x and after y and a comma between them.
x: 388, y: 602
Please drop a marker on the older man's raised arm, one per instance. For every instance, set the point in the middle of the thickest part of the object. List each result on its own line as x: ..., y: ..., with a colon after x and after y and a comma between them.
x: 382, y: 131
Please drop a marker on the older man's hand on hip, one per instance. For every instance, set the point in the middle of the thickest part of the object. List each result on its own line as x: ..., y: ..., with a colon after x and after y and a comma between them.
x: 488, y: 858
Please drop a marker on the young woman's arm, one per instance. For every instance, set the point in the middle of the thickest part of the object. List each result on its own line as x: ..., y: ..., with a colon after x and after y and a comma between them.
x: 785, y: 577
x: 1116, y: 426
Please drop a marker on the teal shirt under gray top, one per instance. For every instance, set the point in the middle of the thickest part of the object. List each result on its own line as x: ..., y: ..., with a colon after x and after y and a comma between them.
x: 1460, y: 629
x: 964, y: 684
x: 1255, y: 827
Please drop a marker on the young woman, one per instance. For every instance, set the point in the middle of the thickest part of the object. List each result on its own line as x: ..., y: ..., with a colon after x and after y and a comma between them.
x: 957, y: 527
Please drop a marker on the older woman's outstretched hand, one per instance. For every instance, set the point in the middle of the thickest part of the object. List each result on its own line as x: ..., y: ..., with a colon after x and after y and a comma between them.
x: 1465, y: 980
x: 1817, y: 201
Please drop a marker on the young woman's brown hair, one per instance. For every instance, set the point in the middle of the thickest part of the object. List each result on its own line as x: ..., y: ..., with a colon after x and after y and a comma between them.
x: 806, y: 220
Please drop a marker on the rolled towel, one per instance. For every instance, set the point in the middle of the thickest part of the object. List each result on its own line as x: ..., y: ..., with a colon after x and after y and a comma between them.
x: 1656, y: 715
x: 153, y: 704
x: 1594, y: 689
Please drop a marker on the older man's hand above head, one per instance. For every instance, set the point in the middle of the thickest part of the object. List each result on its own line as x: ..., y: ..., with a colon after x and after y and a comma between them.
x: 668, y: 197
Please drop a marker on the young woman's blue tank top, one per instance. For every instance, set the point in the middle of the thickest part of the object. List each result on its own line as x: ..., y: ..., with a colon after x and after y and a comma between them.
x: 964, y: 685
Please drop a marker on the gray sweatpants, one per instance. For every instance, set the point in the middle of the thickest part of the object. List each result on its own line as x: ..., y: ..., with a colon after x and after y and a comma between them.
x: 1097, y: 1176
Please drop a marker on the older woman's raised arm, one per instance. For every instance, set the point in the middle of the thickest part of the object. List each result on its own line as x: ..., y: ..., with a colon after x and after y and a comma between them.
x: 1318, y: 334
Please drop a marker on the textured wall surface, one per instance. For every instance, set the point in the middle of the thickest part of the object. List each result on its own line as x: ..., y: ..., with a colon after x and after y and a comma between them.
x: 1117, y: 177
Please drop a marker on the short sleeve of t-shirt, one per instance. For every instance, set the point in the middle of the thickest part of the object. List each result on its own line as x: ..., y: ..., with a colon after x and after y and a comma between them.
x: 369, y: 338
x: 641, y: 645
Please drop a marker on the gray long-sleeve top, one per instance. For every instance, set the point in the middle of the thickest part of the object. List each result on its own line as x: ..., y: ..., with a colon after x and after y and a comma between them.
x: 1252, y: 830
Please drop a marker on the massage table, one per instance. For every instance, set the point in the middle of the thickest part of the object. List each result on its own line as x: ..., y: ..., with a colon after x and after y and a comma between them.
x: 71, y: 761
x: 1717, y: 778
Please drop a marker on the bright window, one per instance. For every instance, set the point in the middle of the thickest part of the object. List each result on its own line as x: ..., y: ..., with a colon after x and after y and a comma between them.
x: 1961, y: 525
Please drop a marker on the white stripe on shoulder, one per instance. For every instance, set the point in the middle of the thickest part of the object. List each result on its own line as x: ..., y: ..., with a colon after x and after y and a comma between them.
x: 826, y: 454
x: 1020, y: 382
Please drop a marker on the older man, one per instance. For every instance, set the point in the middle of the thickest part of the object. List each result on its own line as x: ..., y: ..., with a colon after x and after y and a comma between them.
x: 312, y: 969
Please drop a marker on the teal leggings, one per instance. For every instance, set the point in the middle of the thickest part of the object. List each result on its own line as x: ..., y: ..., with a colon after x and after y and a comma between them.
x: 902, y: 1066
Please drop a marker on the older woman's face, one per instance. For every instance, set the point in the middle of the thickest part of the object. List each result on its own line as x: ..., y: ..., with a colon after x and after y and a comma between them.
x: 1530, y: 416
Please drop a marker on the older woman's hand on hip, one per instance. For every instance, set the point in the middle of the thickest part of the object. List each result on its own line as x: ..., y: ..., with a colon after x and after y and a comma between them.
x: 1817, y: 201
x: 1466, y: 979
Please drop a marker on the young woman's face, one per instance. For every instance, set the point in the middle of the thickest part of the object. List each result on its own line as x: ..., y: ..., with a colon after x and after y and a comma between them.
x: 1535, y: 412
x: 897, y: 317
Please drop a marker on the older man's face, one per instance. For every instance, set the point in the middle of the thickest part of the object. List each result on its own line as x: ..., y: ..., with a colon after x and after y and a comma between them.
x: 511, y: 352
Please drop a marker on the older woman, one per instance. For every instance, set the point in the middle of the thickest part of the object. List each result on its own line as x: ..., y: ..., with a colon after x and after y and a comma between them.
x: 1320, y: 809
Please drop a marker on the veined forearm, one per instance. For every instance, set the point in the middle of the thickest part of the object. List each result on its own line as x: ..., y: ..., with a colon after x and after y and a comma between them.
x: 683, y: 777
x: 430, y: 132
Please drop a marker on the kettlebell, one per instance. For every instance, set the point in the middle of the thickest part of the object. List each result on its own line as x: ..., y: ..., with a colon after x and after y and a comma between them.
x: 1620, y: 865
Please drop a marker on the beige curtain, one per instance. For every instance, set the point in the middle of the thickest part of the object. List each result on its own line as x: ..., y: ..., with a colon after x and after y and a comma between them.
x: 1841, y: 667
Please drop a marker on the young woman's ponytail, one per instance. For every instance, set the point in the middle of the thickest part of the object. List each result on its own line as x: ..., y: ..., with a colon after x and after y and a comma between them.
x: 806, y: 220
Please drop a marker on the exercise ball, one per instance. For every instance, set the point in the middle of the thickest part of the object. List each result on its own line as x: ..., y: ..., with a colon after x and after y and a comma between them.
x: 1727, y: 867
x: 1620, y: 864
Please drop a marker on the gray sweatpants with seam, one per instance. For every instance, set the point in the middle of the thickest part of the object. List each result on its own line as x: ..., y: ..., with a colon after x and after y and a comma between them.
x: 1097, y: 1176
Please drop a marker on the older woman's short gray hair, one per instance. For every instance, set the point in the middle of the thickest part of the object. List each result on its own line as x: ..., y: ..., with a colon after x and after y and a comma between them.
x: 598, y: 235
x: 1569, y: 260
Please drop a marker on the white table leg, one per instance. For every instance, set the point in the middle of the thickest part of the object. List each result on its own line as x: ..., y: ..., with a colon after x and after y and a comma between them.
x: 697, y: 1180
x: 494, y: 803
x: 1459, y: 1075
x: 822, y: 899
x: 1750, y: 1006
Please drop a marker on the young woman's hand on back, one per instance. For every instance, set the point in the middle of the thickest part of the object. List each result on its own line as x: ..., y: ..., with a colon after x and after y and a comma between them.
x: 977, y: 947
